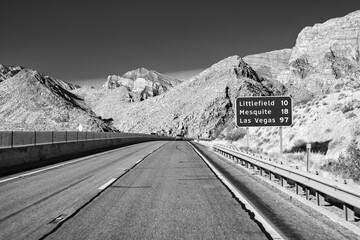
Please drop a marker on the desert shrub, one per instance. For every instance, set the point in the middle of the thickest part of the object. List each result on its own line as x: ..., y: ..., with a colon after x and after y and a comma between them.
x: 350, y: 115
x: 328, y: 130
x: 291, y: 137
x: 350, y: 105
x: 316, y: 147
x: 356, y: 130
x: 324, y: 103
x: 342, y: 96
x: 235, y: 135
x: 299, y: 146
x: 338, y: 106
x: 348, y: 164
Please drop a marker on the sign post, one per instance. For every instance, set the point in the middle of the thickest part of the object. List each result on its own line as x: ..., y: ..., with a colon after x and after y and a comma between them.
x: 271, y: 111
x: 248, y: 141
x: 308, y: 148
x: 281, y: 142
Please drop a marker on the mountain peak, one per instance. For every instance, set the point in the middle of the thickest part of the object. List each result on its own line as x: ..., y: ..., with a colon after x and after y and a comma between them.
x: 32, y: 101
x: 141, y: 83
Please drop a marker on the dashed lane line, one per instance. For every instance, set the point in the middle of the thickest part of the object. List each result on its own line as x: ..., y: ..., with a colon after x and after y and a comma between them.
x: 107, y: 184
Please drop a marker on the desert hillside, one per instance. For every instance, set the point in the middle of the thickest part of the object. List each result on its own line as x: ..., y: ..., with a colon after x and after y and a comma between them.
x: 196, y: 107
x: 32, y: 101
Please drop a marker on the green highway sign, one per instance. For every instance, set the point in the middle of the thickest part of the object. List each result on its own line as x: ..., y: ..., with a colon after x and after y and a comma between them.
x: 263, y: 111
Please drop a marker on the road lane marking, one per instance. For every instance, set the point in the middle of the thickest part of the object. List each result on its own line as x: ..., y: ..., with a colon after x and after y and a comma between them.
x: 107, y: 184
x: 269, y: 229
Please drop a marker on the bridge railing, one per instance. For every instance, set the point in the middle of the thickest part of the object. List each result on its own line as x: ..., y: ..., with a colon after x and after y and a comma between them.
x: 10, y: 139
x: 323, y: 189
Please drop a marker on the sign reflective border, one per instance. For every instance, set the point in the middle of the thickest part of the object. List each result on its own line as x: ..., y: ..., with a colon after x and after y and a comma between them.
x: 263, y: 111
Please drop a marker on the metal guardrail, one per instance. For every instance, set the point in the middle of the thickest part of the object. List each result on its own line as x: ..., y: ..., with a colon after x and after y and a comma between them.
x: 10, y: 139
x: 348, y: 197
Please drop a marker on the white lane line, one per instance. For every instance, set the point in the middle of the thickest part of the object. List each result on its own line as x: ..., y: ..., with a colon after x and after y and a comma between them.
x: 273, y: 233
x: 61, y: 165
x: 107, y: 184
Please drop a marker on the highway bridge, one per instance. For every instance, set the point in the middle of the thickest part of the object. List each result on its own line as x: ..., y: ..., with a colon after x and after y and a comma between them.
x: 153, y: 190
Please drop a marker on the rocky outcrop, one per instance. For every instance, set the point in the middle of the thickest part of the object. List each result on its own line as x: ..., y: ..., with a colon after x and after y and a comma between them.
x: 270, y: 64
x: 32, y: 101
x: 141, y: 83
x: 325, y: 58
x: 8, y: 72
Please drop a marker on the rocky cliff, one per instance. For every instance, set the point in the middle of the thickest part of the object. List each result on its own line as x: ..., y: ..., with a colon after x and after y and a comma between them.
x: 270, y: 64
x: 141, y: 84
x: 32, y: 101
x: 325, y: 58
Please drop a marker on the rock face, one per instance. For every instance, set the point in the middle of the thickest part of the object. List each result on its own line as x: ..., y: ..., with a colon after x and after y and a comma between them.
x: 32, y: 101
x: 325, y: 58
x: 141, y: 83
x: 8, y: 72
x: 199, y: 106
x: 270, y: 64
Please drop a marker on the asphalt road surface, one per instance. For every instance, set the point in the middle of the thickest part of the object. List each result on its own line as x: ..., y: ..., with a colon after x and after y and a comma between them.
x: 170, y: 194
x: 30, y: 206
x: 154, y: 190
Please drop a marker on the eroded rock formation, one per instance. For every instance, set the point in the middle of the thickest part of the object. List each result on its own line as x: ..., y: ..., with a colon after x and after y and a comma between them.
x: 141, y: 83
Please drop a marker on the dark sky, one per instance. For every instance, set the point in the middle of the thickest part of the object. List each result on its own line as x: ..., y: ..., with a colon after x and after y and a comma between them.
x: 74, y: 41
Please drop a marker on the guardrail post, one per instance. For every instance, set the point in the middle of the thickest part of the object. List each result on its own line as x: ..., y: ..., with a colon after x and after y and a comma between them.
x: 12, y: 138
x: 320, y: 200
x: 308, y: 148
x: 298, y: 188
x: 272, y: 176
x: 349, y: 212
x: 307, y: 192
x: 283, y: 181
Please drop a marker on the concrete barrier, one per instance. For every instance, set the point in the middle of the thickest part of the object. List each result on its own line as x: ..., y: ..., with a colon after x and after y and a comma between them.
x: 18, y: 159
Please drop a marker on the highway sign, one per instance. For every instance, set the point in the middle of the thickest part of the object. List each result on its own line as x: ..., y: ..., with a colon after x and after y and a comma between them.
x: 263, y: 111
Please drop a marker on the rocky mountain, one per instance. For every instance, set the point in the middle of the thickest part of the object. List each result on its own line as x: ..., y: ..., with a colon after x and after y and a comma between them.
x: 322, y: 74
x: 8, y: 72
x: 141, y: 84
x: 32, y: 101
x: 197, y: 107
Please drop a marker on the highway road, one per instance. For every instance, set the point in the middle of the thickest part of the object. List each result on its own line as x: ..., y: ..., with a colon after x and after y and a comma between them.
x: 154, y: 190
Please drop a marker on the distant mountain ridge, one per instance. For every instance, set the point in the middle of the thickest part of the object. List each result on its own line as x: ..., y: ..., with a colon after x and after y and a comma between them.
x: 32, y: 101
x: 141, y: 83
x: 10, y: 71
